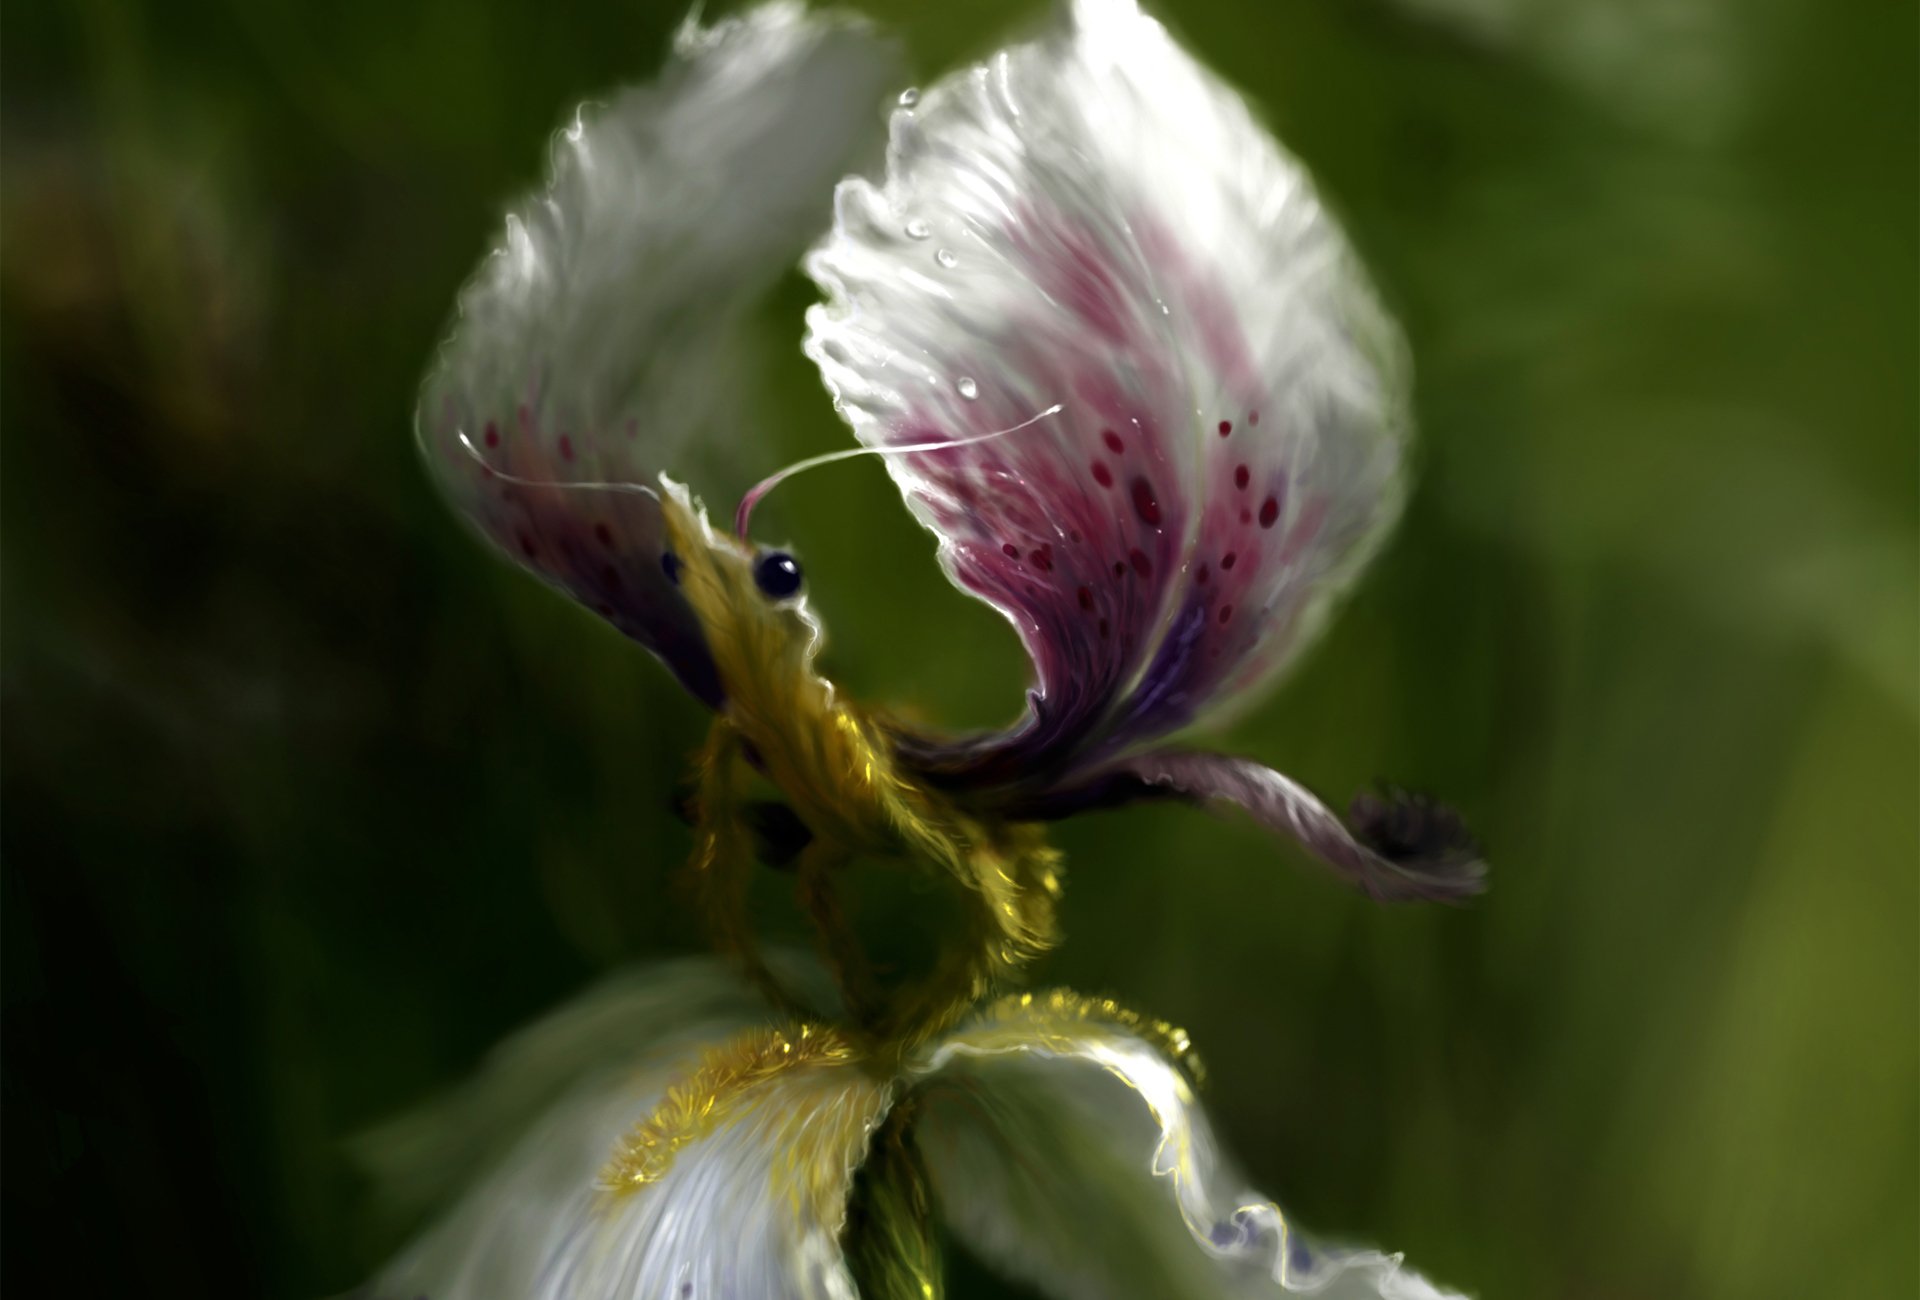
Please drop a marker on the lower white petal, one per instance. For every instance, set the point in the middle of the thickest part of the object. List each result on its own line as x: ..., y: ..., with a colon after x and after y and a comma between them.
x: 751, y: 1206
x: 1067, y: 1147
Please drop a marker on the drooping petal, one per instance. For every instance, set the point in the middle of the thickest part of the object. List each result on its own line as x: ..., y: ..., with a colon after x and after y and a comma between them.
x: 1064, y: 1144
x: 599, y: 343
x: 1094, y: 220
x: 1401, y: 848
x: 714, y: 1160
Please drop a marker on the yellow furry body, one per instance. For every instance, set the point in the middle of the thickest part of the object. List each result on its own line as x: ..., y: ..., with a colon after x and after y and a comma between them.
x: 833, y: 765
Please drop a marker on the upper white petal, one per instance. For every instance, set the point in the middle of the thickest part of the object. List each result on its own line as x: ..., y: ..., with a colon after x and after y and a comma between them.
x: 602, y: 341
x: 1097, y: 221
x: 668, y: 208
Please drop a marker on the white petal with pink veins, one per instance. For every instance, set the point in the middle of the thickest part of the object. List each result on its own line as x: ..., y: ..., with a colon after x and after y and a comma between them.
x: 602, y: 342
x: 1095, y: 220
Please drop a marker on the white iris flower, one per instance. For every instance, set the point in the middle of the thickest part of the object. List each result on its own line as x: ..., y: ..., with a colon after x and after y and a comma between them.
x: 685, y: 1146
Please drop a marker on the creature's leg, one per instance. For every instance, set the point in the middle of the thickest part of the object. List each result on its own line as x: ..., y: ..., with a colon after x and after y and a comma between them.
x: 838, y: 943
x: 723, y: 858
x: 1010, y: 880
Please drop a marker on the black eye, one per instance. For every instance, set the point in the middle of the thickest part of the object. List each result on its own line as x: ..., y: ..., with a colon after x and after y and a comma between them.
x: 778, y: 574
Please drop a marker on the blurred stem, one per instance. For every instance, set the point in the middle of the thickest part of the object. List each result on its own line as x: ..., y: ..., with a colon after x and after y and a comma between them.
x: 889, y: 1238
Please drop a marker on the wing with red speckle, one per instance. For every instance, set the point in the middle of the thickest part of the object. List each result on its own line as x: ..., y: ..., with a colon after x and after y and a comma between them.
x: 598, y: 345
x: 1093, y: 220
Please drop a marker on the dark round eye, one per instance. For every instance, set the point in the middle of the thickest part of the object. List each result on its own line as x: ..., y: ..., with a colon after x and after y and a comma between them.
x: 670, y: 565
x: 778, y: 574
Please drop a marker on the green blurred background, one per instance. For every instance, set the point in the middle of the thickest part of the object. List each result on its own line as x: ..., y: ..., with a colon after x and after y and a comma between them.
x: 309, y: 799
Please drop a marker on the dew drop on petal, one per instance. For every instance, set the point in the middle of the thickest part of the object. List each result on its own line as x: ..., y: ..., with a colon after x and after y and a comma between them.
x: 946, y: 258
x: 909, y: 97
x: 918, y: 228
x: 968, y: 389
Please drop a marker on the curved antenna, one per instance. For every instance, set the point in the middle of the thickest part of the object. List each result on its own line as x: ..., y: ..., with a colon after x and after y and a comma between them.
x: 766, y: 485
x: 517, y: 481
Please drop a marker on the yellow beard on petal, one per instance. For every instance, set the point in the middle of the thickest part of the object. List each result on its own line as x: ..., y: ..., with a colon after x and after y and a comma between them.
x: 1022, y: 1016
x: 728, y: 1079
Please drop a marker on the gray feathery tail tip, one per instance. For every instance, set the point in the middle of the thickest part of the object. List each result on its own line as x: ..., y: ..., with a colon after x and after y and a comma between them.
x: 1425, y: 842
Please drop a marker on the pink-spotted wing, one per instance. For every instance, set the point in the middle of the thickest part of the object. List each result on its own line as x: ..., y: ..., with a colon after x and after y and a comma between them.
x: 599, y: 344
x: 1094, y: 221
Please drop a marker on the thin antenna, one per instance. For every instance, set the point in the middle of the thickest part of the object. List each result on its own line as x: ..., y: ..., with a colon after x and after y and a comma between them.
x: 766, y: 485
x: 517, y: 481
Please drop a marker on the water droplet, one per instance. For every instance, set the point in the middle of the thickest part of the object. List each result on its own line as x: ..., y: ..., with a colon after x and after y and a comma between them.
x: 968, y: 389
x: 946, y: 259
x: 909, y: 97
x: 918, y: 228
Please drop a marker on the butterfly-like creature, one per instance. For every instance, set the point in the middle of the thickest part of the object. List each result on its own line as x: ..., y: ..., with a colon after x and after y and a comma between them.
x: 1118, y: 359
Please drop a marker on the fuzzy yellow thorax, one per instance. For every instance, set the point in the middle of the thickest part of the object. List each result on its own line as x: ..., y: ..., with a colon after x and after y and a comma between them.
x: 837, y: 770
x: 817, y: 748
